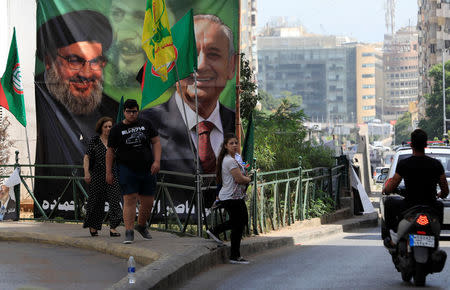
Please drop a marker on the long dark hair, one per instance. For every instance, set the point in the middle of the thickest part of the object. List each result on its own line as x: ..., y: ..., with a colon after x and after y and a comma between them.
x: 223, y: 151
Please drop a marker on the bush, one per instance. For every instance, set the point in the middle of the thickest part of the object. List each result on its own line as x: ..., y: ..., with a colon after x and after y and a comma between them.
x: 320, y: 206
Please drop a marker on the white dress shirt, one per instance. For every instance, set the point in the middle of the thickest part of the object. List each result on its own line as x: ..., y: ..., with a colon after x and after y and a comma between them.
x: 216, y: 135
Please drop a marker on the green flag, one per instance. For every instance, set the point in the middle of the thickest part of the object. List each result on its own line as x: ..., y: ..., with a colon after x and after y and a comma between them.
x: 120, y: 116
x: 249, y: 143
x: 186, y: 59
x: 11, y: 89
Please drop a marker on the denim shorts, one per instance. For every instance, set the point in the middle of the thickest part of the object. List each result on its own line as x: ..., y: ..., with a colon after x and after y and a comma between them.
x: 136, y: 181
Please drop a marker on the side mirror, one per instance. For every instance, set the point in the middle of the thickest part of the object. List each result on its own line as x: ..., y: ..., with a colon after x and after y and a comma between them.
x: 381, y: 178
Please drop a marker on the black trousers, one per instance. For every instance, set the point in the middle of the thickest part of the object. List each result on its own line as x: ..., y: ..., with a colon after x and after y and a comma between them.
x: 394, y: 206
x: 238, y: 219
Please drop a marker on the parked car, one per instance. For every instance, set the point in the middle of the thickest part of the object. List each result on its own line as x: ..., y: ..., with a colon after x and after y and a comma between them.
x: 378, y: 170
x: 441, y: 153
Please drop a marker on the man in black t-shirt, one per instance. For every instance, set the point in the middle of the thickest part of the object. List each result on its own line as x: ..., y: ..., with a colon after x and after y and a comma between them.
x: 136, y: 147
x: 421, y: 174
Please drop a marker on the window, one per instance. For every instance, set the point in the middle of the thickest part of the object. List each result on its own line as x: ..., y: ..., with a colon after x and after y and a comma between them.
x: 366, y: 54
x: 366, y: 76
x: 368, y: 65
x: 368, y: 97
x: 368, y: 86
x: 368, y: 107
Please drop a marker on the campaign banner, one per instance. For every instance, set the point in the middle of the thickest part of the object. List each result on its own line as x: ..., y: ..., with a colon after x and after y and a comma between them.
x: 89, y: 54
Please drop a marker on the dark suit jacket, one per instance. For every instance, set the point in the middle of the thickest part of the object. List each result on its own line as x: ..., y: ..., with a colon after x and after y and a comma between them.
x: 176, y: 151
x: 10, y: 213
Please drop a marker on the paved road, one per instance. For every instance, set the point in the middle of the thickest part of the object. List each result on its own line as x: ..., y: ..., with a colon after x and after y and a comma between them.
x: 347, y: 261
x: 56, y: 267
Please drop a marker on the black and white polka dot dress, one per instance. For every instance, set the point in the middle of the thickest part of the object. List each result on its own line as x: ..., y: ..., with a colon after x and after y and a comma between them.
x: 99, y: 191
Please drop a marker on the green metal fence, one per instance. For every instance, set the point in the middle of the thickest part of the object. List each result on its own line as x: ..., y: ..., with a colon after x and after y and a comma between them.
x: 276, y: 198
x: 279, y: 198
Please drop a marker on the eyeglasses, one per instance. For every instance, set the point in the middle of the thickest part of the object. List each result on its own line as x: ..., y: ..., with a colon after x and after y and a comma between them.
x: 131, y: 111
x: 77, y: 63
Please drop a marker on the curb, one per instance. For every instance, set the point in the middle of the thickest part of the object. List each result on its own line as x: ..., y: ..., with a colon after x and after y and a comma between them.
x: 170, y: 271
x: 142, y: 256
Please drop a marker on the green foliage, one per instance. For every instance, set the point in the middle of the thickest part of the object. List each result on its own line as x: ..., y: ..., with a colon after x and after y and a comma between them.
x: 280, y: 140
x: 278, y: 137
x: 296, y: 100
x: 403, y: 128
x: 318, y: 156
x: 5, y: 145
x: 433, y: 122
x: 320, y: 206
x: 247, y: 97
x: 268, y: 102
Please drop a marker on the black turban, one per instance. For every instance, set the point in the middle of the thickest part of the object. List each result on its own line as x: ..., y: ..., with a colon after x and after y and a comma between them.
x: 76, y: 26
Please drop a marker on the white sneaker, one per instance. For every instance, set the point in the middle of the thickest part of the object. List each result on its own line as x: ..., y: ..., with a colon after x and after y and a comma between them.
x: 239, y: 260
x: 212, y: 236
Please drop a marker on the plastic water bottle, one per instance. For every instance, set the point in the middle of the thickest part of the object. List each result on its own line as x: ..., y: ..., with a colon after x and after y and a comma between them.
x: 131, y: 270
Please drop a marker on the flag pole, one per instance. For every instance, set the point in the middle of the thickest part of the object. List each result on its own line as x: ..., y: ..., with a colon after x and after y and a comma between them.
x: 197, y: 161
x: 29, y: 157
x: 199, y: 192
x: 238, y: 77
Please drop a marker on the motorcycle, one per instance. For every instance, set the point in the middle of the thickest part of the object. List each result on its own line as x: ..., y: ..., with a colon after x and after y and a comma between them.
x: 416, y: 253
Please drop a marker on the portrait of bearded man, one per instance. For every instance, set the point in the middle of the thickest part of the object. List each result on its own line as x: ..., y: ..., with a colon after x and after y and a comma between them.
x: 69, y: 93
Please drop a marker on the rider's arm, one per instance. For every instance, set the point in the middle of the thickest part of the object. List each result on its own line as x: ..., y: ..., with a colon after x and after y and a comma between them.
x: 392, y: 183
x: 443, y: 185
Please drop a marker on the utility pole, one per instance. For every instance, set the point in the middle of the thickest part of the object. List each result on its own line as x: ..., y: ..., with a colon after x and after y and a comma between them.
x: 444, y: 118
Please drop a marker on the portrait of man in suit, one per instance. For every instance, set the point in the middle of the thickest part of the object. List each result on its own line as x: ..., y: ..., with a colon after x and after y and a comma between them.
x: 176, y: 121
x: 69, y: 93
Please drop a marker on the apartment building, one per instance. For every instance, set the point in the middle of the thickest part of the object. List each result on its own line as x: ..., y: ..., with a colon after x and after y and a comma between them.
x: 401, y: 73
x: 248, y: 33
x: 320, y: 68
x: 365, y: 83
x: 433, y: 26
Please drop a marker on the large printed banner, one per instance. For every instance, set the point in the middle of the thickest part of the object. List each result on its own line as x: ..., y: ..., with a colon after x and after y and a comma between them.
x: 89, y: 55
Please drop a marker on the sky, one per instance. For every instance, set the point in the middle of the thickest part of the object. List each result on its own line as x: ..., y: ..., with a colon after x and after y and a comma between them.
x: 361, y: 19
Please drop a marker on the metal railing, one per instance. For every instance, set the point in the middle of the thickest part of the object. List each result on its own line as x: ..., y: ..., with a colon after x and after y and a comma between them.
x: 279, y: 198
x: 276, y: 198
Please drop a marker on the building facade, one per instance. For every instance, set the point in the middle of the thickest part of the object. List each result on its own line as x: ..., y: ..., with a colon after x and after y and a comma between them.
x: 401, y: 73
x: 433, y: 26
x: 365, y: 83
x: 248, y: 33
x: 319, y: 68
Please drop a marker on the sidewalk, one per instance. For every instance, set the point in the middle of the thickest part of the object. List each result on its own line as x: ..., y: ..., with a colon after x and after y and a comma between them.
x: 169, y: 259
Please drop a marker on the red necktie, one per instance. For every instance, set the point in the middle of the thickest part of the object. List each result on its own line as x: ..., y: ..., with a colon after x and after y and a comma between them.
x: 205, y: 151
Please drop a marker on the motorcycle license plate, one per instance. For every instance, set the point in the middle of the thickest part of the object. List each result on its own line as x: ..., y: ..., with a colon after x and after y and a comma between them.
x: 421, y: 241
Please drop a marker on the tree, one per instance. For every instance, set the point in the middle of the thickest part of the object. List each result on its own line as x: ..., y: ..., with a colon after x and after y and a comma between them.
x: 248, y: 97
x: 296, y: 100
x: 432, y: 124
x: 268, y: 102
x: 280, y: 140
x: 5, y: 145
x: 403, y: 128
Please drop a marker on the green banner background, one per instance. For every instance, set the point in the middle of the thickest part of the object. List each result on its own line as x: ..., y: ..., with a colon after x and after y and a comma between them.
x: 125, y: 57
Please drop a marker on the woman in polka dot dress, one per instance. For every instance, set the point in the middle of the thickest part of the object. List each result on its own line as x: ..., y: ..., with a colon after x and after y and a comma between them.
x: 99, y: 190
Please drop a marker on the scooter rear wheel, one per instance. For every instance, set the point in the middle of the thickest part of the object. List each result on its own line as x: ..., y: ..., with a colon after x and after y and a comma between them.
x: 406, y: 276
x: 420, y: 275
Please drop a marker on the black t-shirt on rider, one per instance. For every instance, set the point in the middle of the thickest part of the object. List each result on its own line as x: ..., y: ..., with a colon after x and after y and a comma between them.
x: 132, y: 143
x: 421, y: 175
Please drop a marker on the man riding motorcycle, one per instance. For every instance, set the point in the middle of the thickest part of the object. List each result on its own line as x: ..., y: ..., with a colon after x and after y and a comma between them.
x: 421, y: 174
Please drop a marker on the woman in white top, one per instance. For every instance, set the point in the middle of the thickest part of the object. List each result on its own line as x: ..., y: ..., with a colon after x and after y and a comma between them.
x: 234, y: 179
